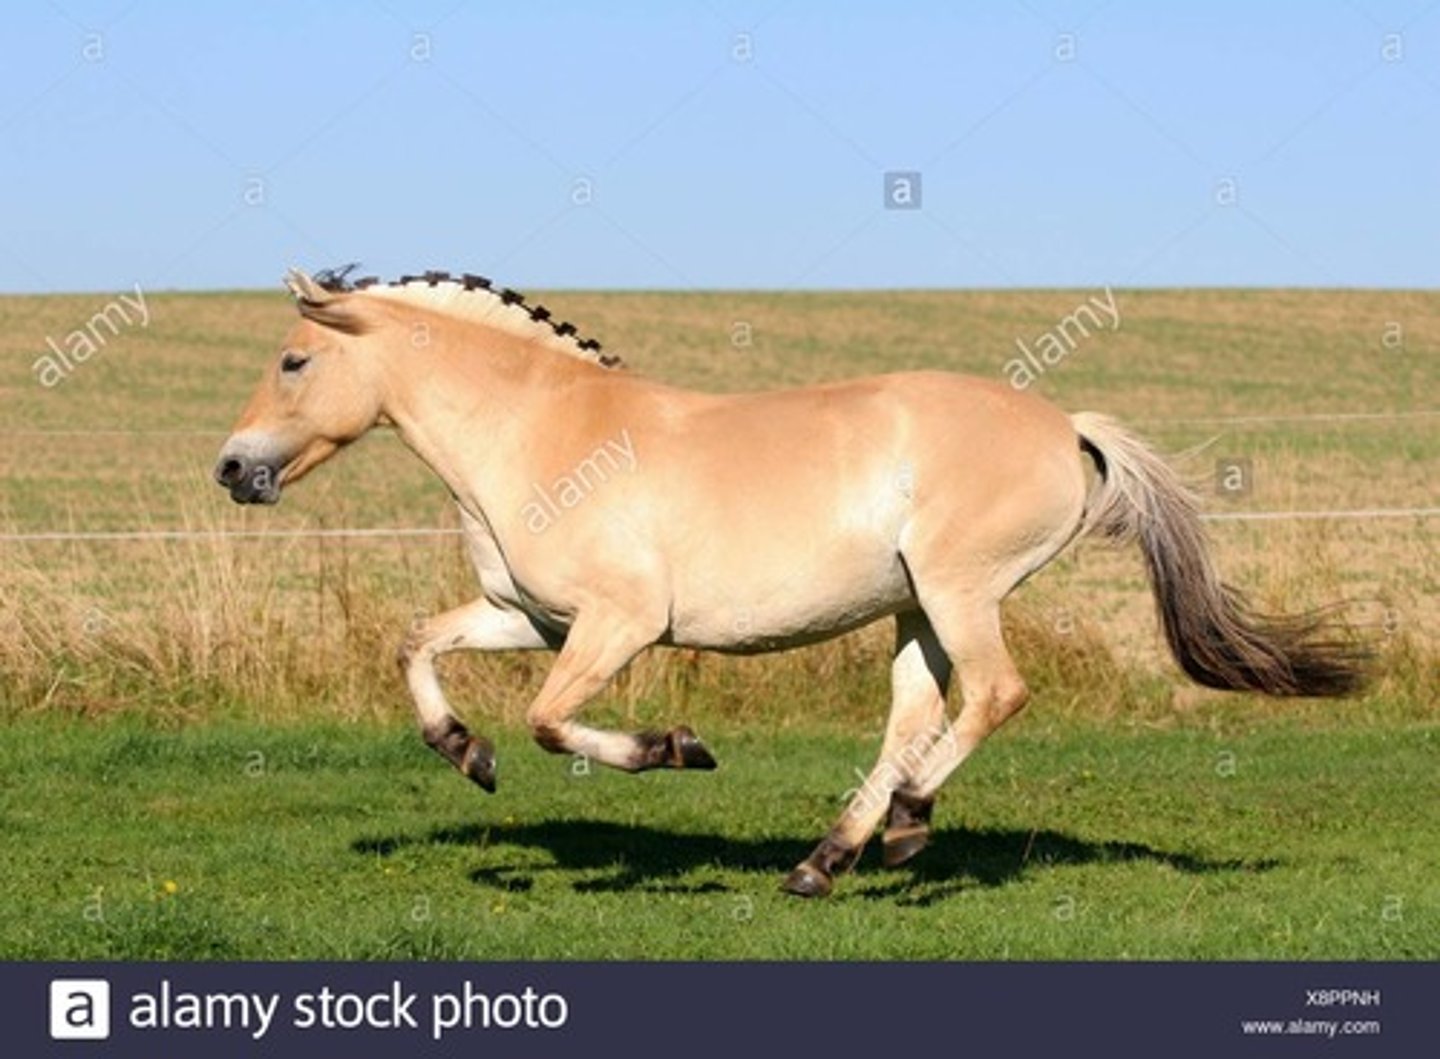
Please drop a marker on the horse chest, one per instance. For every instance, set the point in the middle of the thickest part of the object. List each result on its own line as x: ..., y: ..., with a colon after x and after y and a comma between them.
x: 496, y: 581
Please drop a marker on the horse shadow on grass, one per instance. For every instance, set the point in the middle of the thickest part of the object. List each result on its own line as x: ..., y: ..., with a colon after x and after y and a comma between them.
x: 613, y: 857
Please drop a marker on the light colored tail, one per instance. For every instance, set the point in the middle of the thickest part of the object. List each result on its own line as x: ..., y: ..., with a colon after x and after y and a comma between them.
x: 1217, y: 638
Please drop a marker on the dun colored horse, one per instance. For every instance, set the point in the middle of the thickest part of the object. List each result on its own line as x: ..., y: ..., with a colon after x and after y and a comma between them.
x: 605, y: 512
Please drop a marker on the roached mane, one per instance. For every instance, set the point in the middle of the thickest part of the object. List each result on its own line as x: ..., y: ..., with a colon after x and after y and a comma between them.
x: 472, y: 297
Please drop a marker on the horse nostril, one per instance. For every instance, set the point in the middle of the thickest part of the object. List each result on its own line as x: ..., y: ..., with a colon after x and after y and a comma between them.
x: 229, y: 471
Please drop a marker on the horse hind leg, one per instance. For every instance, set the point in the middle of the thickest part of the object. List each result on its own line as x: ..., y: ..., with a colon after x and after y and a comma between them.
x: 920, y: 674
x: 991, y: 690
x: 963, y: 606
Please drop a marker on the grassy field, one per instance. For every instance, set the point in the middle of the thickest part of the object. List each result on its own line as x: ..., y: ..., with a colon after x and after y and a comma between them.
x: 313, y: 840
x: 222, y: 715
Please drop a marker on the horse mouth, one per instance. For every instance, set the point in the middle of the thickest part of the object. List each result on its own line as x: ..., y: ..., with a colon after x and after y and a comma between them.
x: 251, y: 493
x: 250, y: 483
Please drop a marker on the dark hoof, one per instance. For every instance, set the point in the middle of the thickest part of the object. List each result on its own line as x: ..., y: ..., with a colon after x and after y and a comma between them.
x: 479, y: 762
x: 474, y: 756
x: 687, y: 752
x: 900, y: 844
x: 679, y: 748
x: 815, y: 875
x: 808, y: 881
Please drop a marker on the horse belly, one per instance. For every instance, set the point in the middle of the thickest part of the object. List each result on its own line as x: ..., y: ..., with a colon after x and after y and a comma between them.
x: 821, y: 593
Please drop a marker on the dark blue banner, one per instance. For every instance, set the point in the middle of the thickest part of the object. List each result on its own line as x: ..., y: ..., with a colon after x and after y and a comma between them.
x: 702, y: 1010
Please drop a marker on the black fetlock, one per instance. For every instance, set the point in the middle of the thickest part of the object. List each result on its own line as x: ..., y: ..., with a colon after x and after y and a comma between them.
x: 679, y: 748
x: 907, y: 830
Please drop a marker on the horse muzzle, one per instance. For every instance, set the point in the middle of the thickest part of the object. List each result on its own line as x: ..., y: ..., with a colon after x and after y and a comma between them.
x: 249, y: 480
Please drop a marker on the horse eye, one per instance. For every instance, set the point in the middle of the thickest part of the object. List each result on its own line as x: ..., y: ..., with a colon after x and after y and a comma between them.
x: 293, y: 362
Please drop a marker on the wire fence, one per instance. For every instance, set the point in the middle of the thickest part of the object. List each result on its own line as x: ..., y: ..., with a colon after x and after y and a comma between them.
x: 1298, y: 417
x: 359, y: 532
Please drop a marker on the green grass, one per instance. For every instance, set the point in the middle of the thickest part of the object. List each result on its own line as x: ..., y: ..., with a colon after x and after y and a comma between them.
x: 1247, y: 838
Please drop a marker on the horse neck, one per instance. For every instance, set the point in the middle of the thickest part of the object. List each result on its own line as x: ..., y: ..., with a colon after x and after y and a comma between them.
x: 467, y: 403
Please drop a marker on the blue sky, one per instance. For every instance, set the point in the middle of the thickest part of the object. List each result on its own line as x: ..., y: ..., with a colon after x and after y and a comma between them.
x: 709, y: 144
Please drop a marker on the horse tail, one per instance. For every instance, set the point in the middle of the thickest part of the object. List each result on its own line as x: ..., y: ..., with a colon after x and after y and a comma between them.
x: 1215, y: 635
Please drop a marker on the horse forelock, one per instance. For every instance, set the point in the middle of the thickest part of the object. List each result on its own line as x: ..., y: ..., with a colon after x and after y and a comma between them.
x: 465, y: 297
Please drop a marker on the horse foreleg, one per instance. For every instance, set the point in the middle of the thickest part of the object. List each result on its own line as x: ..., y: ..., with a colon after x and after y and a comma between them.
x: 919, y: 676
x: 595, y: 650
x: 477, y: 626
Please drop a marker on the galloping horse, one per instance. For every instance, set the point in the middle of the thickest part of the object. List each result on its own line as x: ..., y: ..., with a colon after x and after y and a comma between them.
x: 605, y: 512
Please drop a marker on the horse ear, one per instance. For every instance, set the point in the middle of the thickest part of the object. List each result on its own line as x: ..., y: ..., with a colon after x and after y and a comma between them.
x: 329, y: 308
x: 305, y: 289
